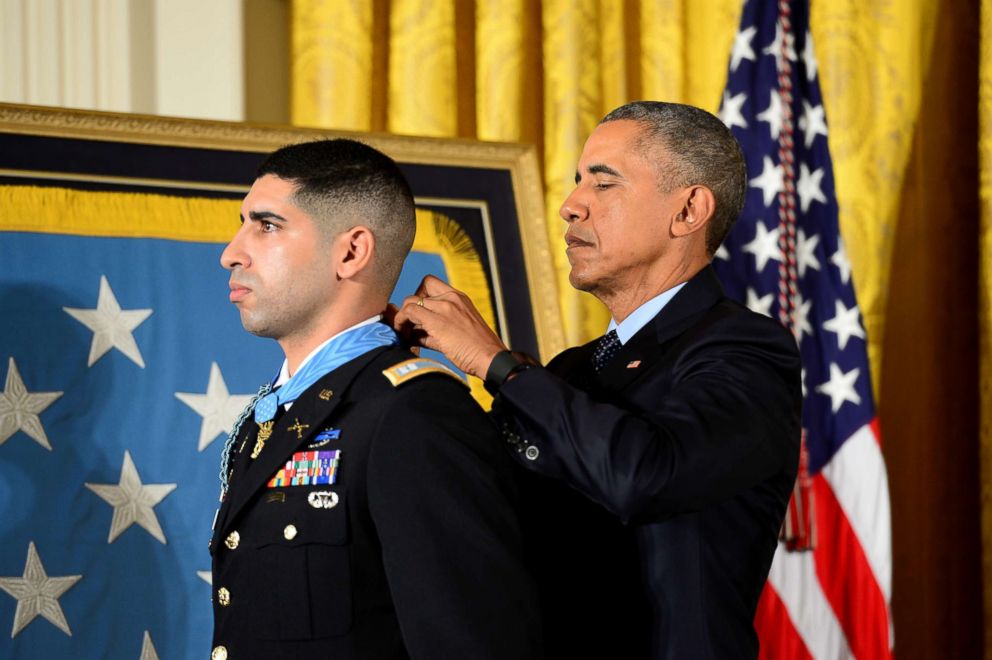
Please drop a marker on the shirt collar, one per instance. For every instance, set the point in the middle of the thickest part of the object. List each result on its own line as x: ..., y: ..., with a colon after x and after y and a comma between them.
x: 640, y: 316
x: 284, y: 371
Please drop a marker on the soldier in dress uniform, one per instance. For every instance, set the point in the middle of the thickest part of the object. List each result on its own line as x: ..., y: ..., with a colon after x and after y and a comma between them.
x: 366, y: 509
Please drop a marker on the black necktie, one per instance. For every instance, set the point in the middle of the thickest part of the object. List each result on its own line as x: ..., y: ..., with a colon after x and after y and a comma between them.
x: 606, y: 348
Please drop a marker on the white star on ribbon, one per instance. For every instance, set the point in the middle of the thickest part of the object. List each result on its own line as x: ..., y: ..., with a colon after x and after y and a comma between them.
x: 38, y: 594
x: 217, y: 406
x: 742, y: 47
x: 806, y: 252
x: 19, y: 409
x: 840, y: 387
x: 770, y: 181
x: 762, y: 304
x: 730, y: 110
x: 206, y: 576
x: 773, y: 114
x: 801, y: 319
x: 147, y: 648
x: 808, y: 187
x: 111, y: 326
x: 839, y: 259
x: 133, y: 501
x: 845, y: 324
x: 812, y: 123
x: 764, y: 246
x: 810, y: 58
x: 775, y: 47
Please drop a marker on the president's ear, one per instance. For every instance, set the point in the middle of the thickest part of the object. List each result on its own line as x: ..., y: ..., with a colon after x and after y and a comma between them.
x: 355, y: 247
x: 697, y: 209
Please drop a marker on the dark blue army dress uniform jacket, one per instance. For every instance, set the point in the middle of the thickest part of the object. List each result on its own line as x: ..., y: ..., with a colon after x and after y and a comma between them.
x: 679, y: 457
x: 414, y: 550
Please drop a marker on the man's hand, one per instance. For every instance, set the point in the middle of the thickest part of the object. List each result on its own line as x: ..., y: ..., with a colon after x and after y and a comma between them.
x: 444, y: 319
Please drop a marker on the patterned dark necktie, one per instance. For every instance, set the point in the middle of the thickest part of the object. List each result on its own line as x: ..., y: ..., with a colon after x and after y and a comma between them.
x: 606, y: 348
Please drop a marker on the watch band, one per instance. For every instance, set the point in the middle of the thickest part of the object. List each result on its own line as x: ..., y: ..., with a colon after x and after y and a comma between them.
x: 504, y: 365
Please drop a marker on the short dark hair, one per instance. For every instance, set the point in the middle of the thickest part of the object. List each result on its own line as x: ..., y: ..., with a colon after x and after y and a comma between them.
x: 702, y: 151
x: 339, y: 180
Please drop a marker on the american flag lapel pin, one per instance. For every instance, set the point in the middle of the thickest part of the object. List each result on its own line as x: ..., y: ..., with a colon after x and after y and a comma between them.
x: 633, y: 364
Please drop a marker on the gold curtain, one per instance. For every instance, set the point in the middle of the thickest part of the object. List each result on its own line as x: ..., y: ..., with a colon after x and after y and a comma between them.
x: 985, y: 303
x: 507, y: 70
x: 545, y: 71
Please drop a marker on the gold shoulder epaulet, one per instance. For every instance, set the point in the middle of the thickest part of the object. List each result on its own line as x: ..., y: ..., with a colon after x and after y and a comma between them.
x: 409, y: 369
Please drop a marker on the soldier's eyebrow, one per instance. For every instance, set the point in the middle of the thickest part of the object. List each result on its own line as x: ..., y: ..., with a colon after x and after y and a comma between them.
x: 265, y: 215
x: 599, y: 168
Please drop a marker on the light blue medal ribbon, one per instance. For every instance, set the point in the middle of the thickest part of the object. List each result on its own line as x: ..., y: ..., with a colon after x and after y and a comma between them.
x: 339, y: 350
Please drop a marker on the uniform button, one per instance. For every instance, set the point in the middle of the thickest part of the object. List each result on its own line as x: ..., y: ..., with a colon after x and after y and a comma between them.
x: 532, y: 453
x: 223, y: 597
x: 232, y: 540
x: 289, y: 532
x: 219, y: 653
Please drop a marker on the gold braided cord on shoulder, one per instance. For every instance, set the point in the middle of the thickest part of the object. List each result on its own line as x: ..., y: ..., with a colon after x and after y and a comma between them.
x: 440, y: 235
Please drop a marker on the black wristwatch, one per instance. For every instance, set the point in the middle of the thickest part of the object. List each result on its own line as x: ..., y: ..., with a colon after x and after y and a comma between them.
x: 504, y: 365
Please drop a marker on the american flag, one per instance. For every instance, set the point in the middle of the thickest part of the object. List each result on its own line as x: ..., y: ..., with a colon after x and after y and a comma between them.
x: 829, y: 589
x: 122, y: 369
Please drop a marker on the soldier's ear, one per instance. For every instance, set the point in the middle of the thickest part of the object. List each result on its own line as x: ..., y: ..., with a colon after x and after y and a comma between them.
x: 355, y: 247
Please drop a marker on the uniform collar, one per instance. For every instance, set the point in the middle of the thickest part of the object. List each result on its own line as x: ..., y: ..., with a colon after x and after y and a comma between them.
x: 284, y: 371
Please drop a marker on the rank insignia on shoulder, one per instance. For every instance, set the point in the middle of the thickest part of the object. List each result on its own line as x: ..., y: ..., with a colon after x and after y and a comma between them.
x: 413, y: 368
x: 324, y: 437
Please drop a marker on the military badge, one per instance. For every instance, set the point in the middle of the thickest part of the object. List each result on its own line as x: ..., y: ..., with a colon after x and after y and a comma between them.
x: 264, y: 431
x: 323, y: 499
x: 324, y: 437
x: 308, y: 468
x: 416, y: 367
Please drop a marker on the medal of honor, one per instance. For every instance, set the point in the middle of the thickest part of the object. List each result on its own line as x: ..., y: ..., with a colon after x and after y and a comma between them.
x: 264, y: 431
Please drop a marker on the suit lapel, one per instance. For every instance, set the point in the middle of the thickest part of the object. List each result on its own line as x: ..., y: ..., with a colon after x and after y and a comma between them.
x: 696, y: 297
x: 294, y: 429
x: 575, y: 365
x: 648, y: 345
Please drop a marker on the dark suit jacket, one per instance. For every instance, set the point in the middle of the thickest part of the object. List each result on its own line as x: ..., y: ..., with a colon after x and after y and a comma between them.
x: 679, y: 459
x: 420, y: 554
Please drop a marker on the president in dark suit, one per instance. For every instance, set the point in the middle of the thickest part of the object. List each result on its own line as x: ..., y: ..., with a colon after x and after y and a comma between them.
x: 367, y: 509
x: 665, y: 452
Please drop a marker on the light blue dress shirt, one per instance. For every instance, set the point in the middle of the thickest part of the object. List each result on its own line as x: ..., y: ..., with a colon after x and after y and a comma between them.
x: 640, y: 316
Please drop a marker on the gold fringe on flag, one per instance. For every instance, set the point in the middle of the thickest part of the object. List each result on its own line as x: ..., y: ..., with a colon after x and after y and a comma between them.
x: 440, y: 235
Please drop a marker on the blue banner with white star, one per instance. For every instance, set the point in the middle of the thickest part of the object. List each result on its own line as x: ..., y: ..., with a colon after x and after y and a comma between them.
x: 124, y: 367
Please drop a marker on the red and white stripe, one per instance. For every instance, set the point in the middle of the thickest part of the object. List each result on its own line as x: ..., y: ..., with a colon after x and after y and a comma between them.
x: 833, y: 602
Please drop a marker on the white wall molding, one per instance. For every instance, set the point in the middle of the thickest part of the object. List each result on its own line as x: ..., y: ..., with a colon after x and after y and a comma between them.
x: 172, y: 57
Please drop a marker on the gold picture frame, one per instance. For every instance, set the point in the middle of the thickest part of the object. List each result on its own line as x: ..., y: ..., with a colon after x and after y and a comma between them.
x: 519, y: 161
